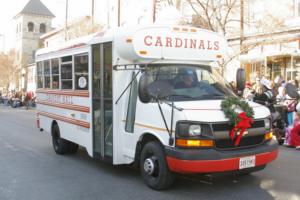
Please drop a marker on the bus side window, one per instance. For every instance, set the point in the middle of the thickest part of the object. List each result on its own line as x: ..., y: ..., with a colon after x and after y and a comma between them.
x: 81, y: 72
x: 55, y: 73
x: 47, y: 83
x: 66, y: 72
x: 39, y: 75
x: 131, y: 109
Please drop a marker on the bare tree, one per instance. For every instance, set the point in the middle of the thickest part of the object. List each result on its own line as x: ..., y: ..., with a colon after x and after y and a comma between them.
x: 82, y: 27
x: 9, y: 70
x: 216, y: 15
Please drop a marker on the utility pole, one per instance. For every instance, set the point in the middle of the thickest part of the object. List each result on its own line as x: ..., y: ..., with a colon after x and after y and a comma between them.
x: 119, y: 13
x: 3, y: 42
x: 93, y: 7
x: 108, y: 13
x: 154, y: 11
x: 241, y: 25
x: 66, y: 22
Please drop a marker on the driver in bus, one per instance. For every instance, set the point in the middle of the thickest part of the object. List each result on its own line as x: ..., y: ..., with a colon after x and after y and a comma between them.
x: 187, y: 80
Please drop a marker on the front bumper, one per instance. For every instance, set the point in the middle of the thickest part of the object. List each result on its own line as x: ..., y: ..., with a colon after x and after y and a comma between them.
x: 213, y: 160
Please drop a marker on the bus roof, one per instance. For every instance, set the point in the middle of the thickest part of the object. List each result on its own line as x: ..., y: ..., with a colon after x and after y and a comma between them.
x: 154, y: 42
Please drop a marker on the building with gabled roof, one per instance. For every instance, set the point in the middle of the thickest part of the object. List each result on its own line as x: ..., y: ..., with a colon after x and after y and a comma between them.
x: 32, y: 21
x: 36, y: 7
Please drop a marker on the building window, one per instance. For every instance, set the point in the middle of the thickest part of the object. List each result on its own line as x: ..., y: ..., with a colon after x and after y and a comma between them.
x: 66, y: 72
x: 55, y: 73
x: 81, y: 72
x: 47, y: 73
x: 39, y: 74
x: 33, y: 55
x: 30, y: 27
x: 42, y: 28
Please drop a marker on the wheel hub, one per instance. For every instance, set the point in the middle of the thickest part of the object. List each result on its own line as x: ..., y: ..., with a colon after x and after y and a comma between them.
x: 149, y: 166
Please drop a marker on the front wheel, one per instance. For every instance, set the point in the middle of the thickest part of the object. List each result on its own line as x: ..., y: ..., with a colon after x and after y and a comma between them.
x: 154, y: 168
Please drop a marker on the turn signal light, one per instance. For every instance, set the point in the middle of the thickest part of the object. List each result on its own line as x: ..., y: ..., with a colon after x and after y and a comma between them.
x: 194, y: 143
x: 269, y: 136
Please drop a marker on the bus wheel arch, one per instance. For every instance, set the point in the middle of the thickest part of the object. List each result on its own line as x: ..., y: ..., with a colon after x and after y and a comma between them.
x: 143, y: 140
x: 61, y: 146
x: 151, y: 159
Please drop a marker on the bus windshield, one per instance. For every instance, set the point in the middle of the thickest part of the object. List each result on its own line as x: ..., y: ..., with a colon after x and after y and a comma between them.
x: 190, y: 82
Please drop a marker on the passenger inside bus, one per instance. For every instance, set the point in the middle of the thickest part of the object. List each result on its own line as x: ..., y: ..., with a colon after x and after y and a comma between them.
x: 189, y: 82
x: 187, y: 79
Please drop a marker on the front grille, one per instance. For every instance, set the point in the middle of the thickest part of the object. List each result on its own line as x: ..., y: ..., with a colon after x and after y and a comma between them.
x: 226, y: 126
x: 245, y: 142
x: 254, y: 137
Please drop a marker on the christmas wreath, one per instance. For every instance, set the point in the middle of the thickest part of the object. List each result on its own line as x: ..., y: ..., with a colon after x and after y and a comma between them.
x: 241, y: 121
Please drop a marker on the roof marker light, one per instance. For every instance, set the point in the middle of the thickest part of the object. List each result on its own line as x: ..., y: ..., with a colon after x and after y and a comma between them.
x: 129, y: 40
x: 143, y: 52
x: 185, y: 29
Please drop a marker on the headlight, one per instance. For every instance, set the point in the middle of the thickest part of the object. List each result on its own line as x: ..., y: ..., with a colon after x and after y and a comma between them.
x: 194, y: 130
x: 267, y: 124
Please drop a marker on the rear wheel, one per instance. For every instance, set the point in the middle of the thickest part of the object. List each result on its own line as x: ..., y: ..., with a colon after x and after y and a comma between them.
x: 154, y: 168
x: 73, y: 147
x: 60, y: 145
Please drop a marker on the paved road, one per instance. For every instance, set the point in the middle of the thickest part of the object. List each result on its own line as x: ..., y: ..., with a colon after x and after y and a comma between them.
x: 29, y: 169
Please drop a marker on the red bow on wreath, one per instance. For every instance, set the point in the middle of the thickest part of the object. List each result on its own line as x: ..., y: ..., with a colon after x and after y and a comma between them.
x: 244, y: 122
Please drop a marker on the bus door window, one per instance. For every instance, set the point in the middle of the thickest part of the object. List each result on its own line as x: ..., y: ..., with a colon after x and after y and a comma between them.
x: 107, y: 85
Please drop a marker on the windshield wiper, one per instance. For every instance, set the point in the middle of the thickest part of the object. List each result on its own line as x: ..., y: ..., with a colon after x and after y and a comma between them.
x: 172, y: 105
x: 210, y: 96
x: 181, y: 95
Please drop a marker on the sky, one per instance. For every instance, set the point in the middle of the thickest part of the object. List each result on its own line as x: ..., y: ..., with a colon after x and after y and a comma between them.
x: 77, y: 9
x: 132, y: 12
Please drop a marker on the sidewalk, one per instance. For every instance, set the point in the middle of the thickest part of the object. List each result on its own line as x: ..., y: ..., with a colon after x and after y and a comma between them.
x: 2, y: 106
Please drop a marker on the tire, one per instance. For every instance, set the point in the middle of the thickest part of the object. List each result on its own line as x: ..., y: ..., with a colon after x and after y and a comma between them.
x: 153, y: 167
x: 280, y: 141
x: 73, y: 148
x: 60, y: 145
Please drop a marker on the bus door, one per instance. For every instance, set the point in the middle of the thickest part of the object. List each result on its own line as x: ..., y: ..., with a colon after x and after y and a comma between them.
x: 102, y: 101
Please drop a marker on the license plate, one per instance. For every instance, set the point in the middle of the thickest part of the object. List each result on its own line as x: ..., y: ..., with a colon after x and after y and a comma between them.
x: 247, y: 162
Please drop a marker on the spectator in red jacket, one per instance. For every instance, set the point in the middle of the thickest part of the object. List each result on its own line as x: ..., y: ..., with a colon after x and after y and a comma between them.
x: 294, y: 136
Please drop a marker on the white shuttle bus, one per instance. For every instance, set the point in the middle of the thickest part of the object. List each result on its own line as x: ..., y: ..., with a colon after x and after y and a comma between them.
x: 148, y: 96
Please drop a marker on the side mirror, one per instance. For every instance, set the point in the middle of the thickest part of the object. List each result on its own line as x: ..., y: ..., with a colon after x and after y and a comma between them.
x: 240, y: 79
x: 143, y: 88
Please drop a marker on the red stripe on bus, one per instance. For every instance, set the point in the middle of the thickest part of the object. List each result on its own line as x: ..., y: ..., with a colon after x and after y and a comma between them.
x: 65, y: 106
x: 76, y: 93
x: 65, y: 119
